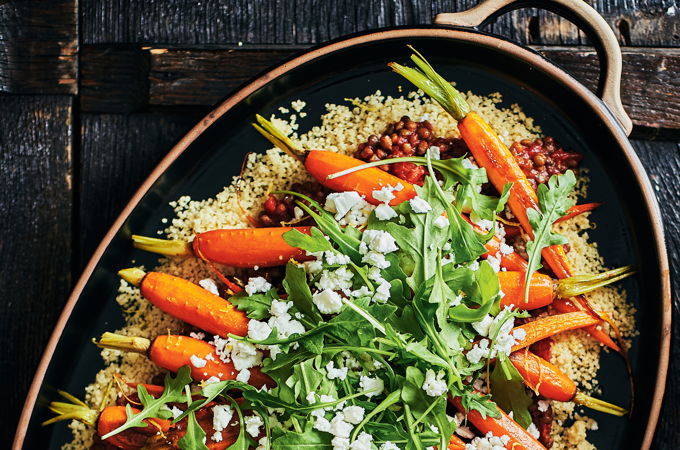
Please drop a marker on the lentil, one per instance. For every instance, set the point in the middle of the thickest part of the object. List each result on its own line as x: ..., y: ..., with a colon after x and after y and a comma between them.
x: 541, y: 158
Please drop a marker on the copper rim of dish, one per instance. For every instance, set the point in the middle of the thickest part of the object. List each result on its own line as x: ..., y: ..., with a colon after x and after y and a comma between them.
x: 471, y: 36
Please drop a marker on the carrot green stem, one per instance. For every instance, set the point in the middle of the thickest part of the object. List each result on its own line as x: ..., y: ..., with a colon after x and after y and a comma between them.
x: 115, y: 341
x: 73, y: 409
x: 434, y: 85
x: 580, y: 284
x: 161, y: 246
x: 278, y: 138
x: 133, y: 275
x: 599, y: 405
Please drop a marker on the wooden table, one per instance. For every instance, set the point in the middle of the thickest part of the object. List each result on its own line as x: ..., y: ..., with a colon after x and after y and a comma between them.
x: 95, y: 92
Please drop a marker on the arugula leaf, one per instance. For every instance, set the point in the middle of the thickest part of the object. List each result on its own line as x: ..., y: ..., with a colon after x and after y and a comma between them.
x: 481, y: 403
x: 243, y: 442
x: 483, y: 289
x: 314, y: 242
x: 309, y: 438
x: 553, y: 202
x: 194, y: 437
x: 298, y: 290
x: 255, y: 306
x: 507, y: 388
x: 172, y: 393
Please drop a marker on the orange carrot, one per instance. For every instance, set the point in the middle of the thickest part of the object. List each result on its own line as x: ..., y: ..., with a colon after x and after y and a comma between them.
x: 492, y: 154
x: 320, y: 164
x: 172, y: 352
x: 549, y: 381
x: 188, y: 302
x: 551, y: 325
x: 577, y: 210
x: 248, y: 247
x: 541, y: 292
x: 543, y: 377
x: 113, y: 417
x: 456, y: 443
x: 504, y: 425
x: 544, y: 289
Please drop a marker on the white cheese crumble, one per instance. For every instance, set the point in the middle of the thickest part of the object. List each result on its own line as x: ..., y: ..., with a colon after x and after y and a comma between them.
x: 222, y: 415
x: 197, y: 362
x: 209, y: 285
x: 533, y: 430
x: 441, y: 222
x: 328, y: 302
x: 243, y: 376
x: 253, y: 424
x: 332, y: 372
x: 385, y: 212
x: 380, y: 241
x: 335, y: 280
x: 354, y: 414
x: 374, y: 385
x: 543, y: 405
x: 434, y: 384
x: 257, y: 330
x: 389, y: 446
x: 488, y: 442
x: 419, y: 205
x: 349, y: 208
x: 256, y: 285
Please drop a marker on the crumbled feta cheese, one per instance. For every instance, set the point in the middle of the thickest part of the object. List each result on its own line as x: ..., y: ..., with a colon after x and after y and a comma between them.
x: 257, y: 284
x: 212, y: 380
x: 263, y: 443
x: 243, y: 376
x: 253, y: 424
x: 519, y: 334
x: 543, y: 405
x: 197, y: 362
x: 176, y: 412
x: 484, y: 224
x: 434, y: 152
x: 478, y: 351
x: 457, y: 300
x: 363, y: 442
x: 380, y: 241
x: 279, y: 308
x: 482, y: 327
x: 257, y: 330
x: 488, y: 442
x: 209, y: 285
x: 298, y: 213
x: 340, y: 203
x: 340, y: 443
x: 353, y: 414
x: 441, y: 222
x: 311, y: 397
x: 419, y: 205
x: 382, y: 292
x: 533, y: 430
x: 336, y: 258
x: 339, y: 427
x: 385, y: 212
x: 389, y: 446
x: 464, y: 432
x: 374, y: 385
x: 335, y: 280
x: 494, y: 262
x: 222, y: 415
x: 363, y: 291
x: 200, y: 335
x: 434, y: 384
x: 469, y: 164
x: 244, y: 355
x: 474, y: 266
x: 376, y: 259
x: 322, y: 424
x: 328, y: 302
x: 217, y: 436
x: 332, y: 372
x: 434, y: 428
x: 384, y: 194
x: 505, y: 248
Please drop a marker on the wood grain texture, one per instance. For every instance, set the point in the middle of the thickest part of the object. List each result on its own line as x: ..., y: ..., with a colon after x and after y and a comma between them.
x: 662, y: 161
x: 35, y: 251
x: 38, y: 46
x: 186, y: 22
x: 118, y: 153
x: 203, y: 77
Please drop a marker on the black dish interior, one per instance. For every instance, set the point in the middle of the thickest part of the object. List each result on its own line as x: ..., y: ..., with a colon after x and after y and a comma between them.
x: 624, y: 230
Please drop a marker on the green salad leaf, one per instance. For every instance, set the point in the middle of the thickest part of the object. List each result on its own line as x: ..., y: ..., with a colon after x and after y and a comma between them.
x: 507, y: 388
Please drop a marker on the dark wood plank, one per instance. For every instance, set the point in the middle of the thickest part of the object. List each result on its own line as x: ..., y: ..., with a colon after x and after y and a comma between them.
x: 644, y: 22
x: 35, y: 251
x: 203, y: 77
x: 113, y: 79
x: 118, y: 153
x: 38, y: 46
x: 662, y: 161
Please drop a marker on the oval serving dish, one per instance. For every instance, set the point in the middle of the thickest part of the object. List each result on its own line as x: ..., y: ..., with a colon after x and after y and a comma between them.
x: 629, y: 224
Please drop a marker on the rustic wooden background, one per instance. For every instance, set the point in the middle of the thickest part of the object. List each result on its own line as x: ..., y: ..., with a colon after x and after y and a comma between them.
x: 95, y: 92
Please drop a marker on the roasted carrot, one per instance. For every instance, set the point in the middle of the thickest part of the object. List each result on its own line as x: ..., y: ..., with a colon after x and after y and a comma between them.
x: 456, y: 443
x: 577, y: 210
x: 552, y: 383
x: 544, y: 290
x: 188, y: 302
x: 545, y: 327
x: 501, y: 167
x: 504, y: 425
x: 320, y: 164
x: 113, y: 417
x: 247, y: 247
x: 173, y: 351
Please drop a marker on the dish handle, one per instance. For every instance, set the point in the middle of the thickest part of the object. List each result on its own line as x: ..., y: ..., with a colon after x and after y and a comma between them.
x: 583, y: 16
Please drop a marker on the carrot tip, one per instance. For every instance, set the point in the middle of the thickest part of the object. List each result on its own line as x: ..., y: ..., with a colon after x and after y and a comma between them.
x: 133, y: 275
x: 113, y: 341
x: 599, y: 405
x: 161, y: 246
x: 74, y: 409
